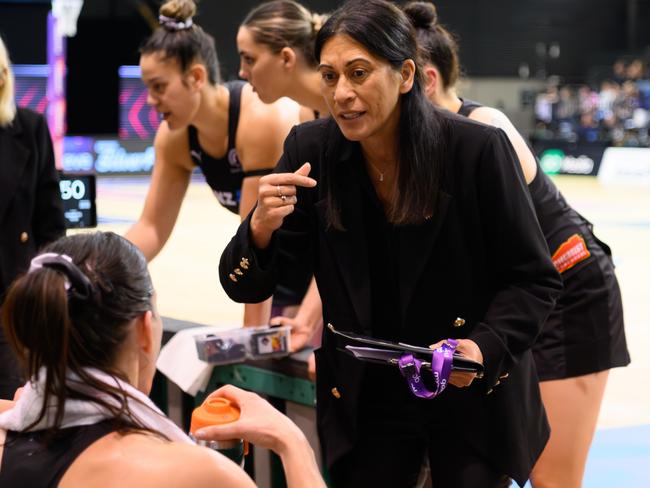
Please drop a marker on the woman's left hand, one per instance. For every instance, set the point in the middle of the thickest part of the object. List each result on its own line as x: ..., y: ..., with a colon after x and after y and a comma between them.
x: 468, y: 349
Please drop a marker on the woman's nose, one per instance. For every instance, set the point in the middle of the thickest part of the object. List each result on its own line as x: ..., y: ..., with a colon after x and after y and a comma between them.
x: 343, y: 91
x: 151, y: 100
x: 243, y: 74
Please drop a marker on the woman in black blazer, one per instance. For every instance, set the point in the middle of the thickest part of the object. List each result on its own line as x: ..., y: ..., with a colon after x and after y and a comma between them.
x: 31, y: 212
x: 418, y: 228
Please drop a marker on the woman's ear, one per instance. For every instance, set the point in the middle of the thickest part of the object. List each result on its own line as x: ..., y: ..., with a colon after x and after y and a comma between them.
x: 197, y: 76
x: 408, y: 76
x: 145, y: 332
x: 288, y: 57
x: 432, y: 78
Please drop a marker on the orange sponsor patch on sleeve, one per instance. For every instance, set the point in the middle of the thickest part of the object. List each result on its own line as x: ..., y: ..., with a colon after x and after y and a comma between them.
x: 570, y: 253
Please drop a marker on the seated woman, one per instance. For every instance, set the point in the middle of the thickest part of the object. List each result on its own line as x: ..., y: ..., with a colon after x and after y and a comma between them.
x: 84, y: 323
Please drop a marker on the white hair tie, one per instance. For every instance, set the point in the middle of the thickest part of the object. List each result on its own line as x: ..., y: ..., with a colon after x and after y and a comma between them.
x: 173, y: 24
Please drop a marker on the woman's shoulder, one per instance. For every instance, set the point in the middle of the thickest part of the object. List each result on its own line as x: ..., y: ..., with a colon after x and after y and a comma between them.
x: 142, y: 460
x: 320, y: 132
x: 310, y: 141
x: 465, y: 138
x: 490, y: 116
x: 28, y: 115
x: 280, y: 112
x: 461, y: 128
x: 173, y: 146
x: 27, y: 119
x: 262, y: 128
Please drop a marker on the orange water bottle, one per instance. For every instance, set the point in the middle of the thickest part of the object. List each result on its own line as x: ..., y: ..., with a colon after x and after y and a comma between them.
x: 218, y: 411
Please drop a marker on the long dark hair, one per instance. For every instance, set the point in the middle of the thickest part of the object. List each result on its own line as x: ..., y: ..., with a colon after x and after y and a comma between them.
x: 285, y: 23
x: 179, y: 38
x: 437, y: 44
x: 384, y: 30
x: 63, y: 331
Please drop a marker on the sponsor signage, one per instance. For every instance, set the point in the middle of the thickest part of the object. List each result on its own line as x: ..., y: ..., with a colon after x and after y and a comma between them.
x: 628, y: 165
x: 569, y: 159
x: 107, y: 155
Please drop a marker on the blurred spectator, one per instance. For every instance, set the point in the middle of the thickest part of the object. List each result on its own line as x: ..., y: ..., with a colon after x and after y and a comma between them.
x: 619, y: 70
x: 636, y: 70
x: 617, y: 113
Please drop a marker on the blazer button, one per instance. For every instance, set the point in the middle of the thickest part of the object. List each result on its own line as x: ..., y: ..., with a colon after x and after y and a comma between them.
x: 24, y: 237
x: 335, y: 393
x: 459, y: 322
x: 232, y: 277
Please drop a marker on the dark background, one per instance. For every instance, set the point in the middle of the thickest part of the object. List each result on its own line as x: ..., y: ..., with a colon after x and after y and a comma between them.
x: 496, y: 38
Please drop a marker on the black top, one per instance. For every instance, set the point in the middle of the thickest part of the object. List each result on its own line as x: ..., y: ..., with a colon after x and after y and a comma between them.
x: 468, y: 107
x: 224, y: 175
x: 557, y: 219
x: 383, y: 242
x: 31, y: 459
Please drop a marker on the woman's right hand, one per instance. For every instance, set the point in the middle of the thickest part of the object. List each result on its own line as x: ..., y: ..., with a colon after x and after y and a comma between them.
x: 276, y: 198
x: 265, y: 426
x: 259, y: 422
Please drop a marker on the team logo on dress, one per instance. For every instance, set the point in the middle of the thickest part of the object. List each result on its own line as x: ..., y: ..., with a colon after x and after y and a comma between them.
x: 570, y: 253
x: 235, y: 165
x: 226, y: 198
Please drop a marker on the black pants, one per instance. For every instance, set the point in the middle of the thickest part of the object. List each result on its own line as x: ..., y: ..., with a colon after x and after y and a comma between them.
x: 10, y: 377
x: 395, y: 436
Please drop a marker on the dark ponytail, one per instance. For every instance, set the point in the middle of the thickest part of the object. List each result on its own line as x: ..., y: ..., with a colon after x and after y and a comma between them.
x: 40, y: 300
x: 55, y: 327
x: 384, y: 30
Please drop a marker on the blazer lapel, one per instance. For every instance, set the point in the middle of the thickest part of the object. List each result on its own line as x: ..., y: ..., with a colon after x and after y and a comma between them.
x: 13, y: 159
x: 415, y: 253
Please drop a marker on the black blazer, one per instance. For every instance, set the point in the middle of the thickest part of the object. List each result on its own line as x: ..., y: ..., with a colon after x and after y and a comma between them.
x: 482, y: 258
x: 31, y: 212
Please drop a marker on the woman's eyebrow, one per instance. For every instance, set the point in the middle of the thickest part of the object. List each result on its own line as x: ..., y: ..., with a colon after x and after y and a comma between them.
x: 352, y: 61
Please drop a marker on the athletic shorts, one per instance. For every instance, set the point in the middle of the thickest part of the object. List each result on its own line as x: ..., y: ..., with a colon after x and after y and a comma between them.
x: 584, y: 333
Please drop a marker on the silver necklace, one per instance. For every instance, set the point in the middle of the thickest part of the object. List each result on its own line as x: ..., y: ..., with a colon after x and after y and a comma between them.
x: 381, y: 175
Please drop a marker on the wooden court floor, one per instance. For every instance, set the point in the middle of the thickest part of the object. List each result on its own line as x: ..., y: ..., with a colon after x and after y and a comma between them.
x: 185, y: 273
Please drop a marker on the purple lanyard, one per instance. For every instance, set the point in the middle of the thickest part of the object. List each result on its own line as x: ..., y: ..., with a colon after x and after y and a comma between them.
x: 441, y: 360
